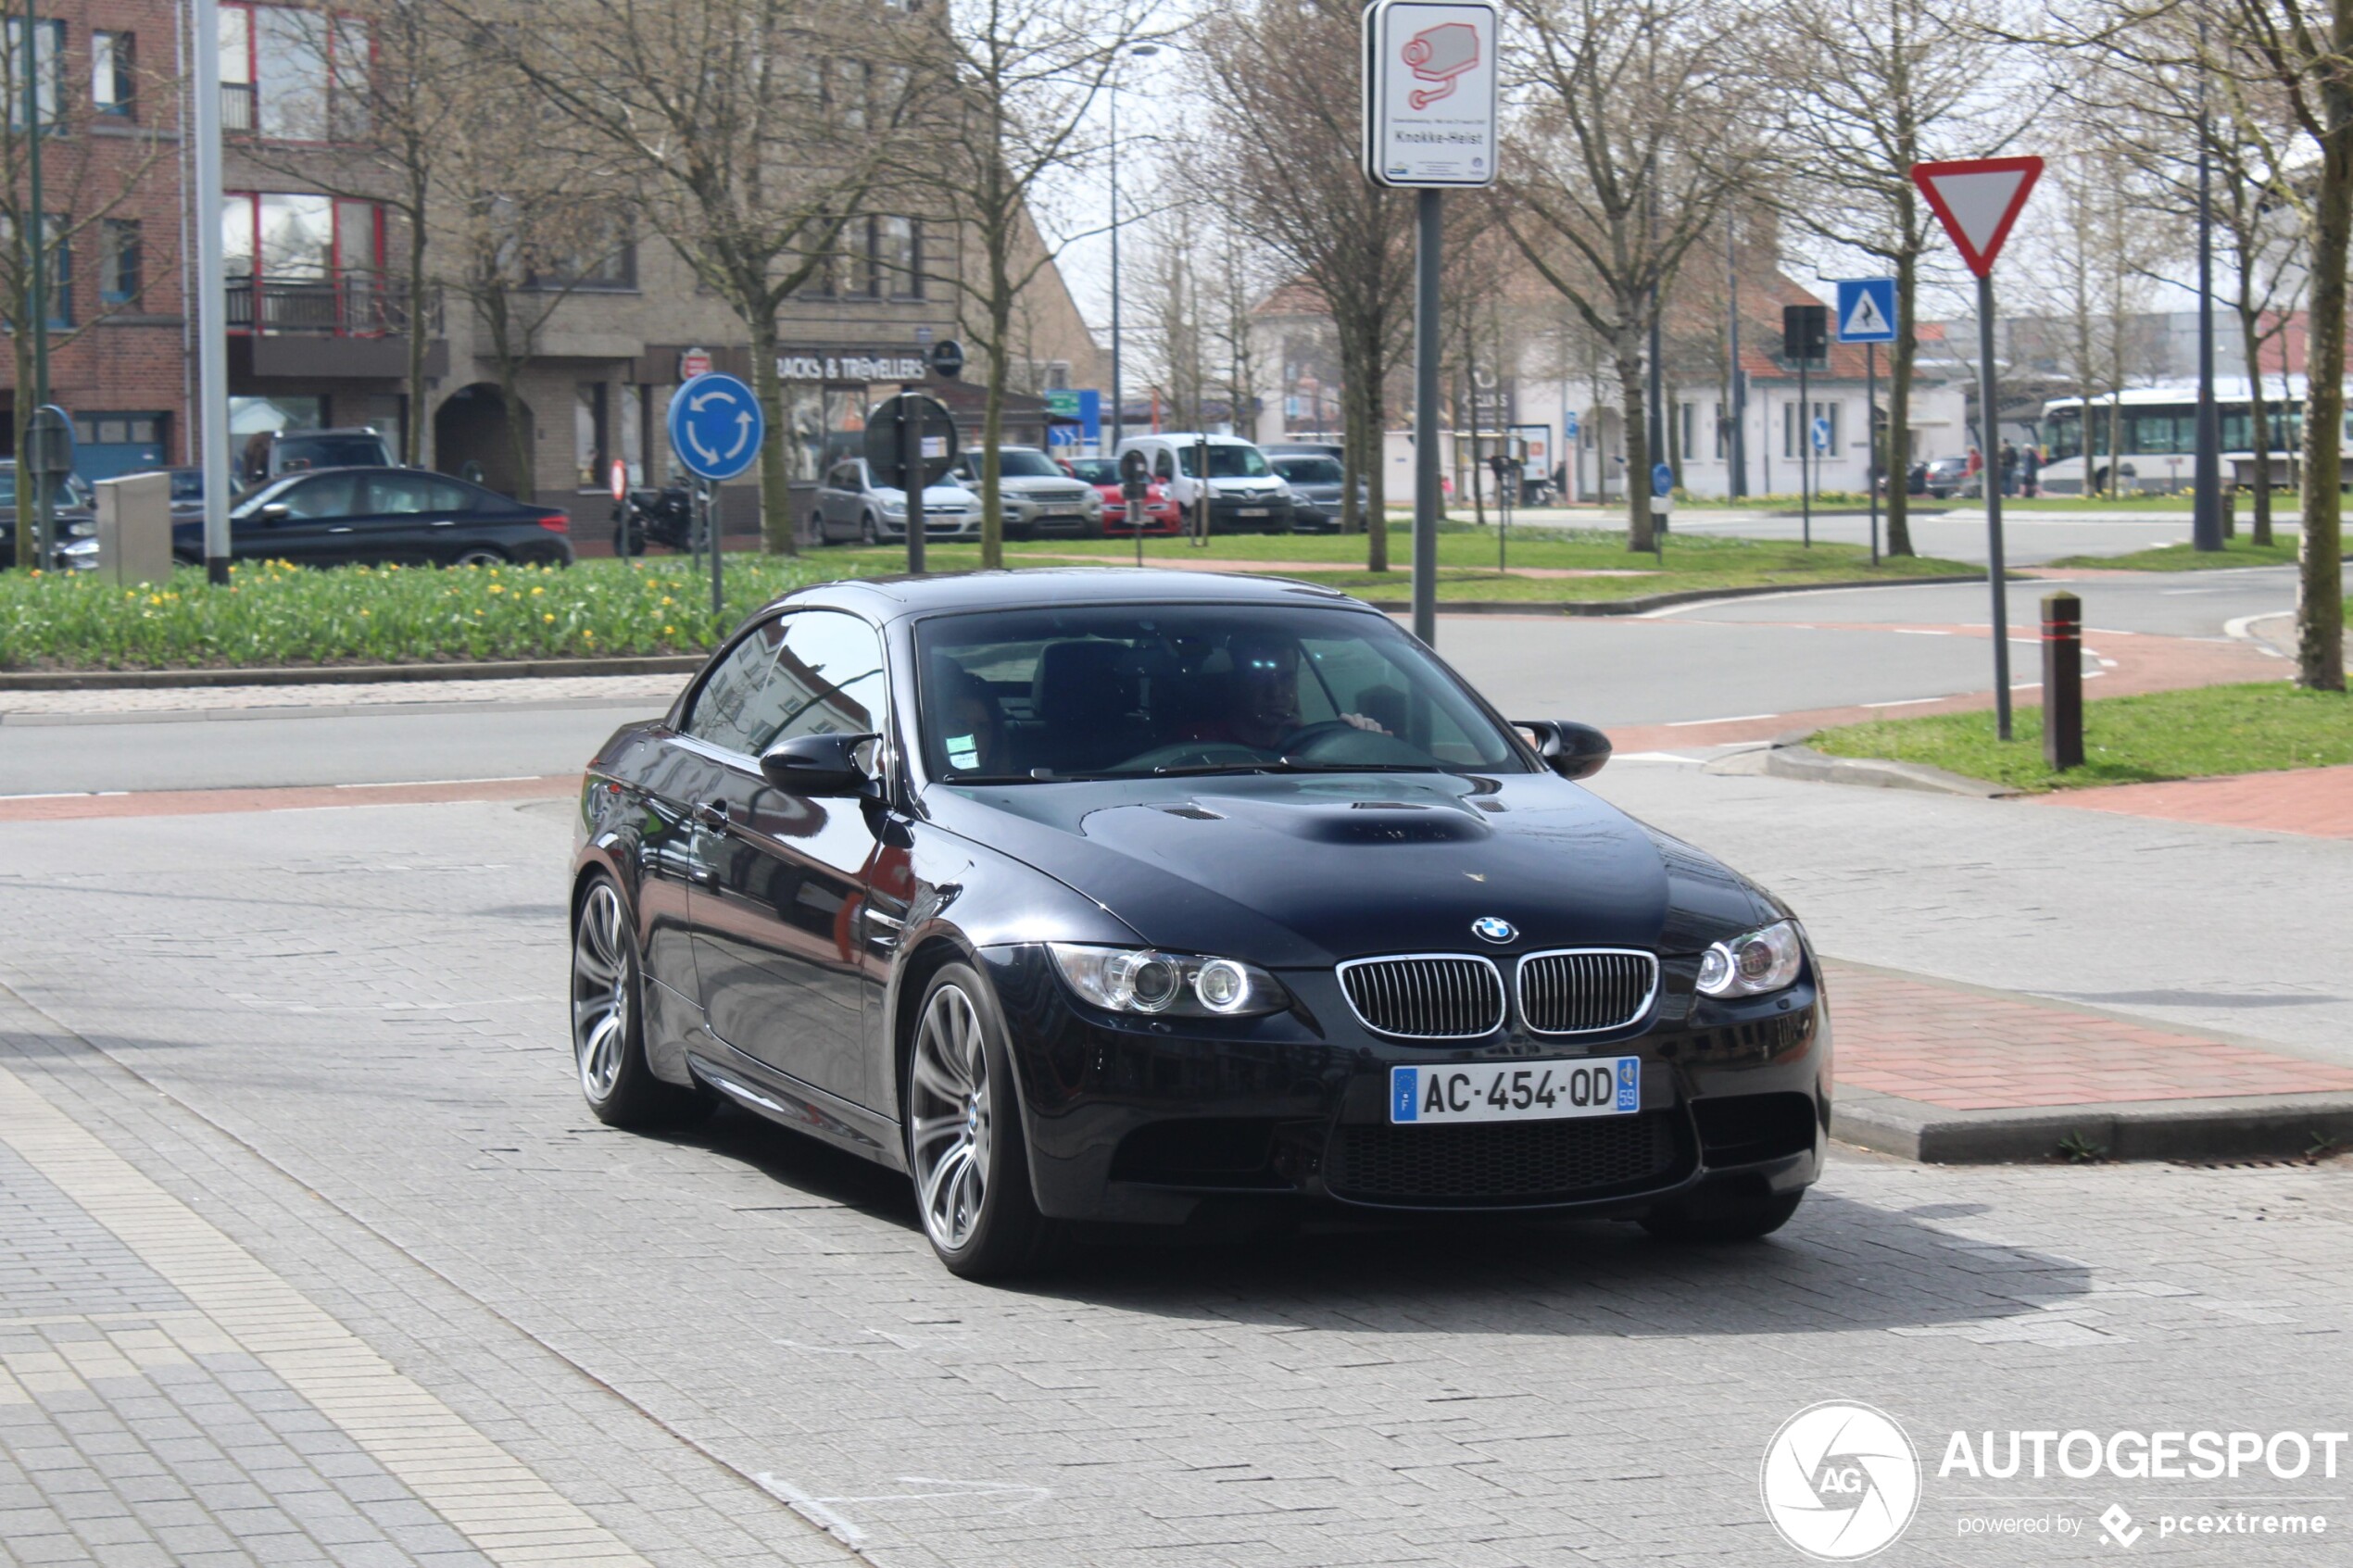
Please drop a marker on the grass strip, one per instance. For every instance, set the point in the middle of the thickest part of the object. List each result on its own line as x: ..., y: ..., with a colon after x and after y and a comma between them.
x: 2181, y: 558
x: 2186, y: 734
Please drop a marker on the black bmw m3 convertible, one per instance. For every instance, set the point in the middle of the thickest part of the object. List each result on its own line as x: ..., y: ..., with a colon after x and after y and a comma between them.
x: 1165, y: 898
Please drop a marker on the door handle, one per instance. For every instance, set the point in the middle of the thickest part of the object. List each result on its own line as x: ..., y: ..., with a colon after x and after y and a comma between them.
x: 345, y: 530
x: 443, y: 522
x: 713, y: 814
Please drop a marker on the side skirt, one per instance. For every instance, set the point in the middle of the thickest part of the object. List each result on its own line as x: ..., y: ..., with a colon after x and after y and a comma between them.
x: 785, y: 1099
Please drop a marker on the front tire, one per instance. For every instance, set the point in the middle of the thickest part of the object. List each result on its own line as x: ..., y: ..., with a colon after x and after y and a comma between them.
x: 1714, y: 1217
x: 608, y: 1022
x: 965, y: 1151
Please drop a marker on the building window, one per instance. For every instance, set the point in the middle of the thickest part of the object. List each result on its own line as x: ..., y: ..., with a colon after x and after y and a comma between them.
x: 858, y: 255
x: 119, y: 261
x: 1686, y: 430
x: 113, y: 62
x: 589, y: 433
x: 899, y: 244
x: 1723, y: 432
x: 633, y: 409
x: 603, y: 258
x: 49, y: 40
x: 293, y: 75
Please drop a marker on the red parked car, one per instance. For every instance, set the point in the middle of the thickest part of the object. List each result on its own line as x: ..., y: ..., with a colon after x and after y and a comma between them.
x: 1160, y: 513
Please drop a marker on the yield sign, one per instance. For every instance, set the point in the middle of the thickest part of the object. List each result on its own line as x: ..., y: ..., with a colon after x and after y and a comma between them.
x: 1977, y: 200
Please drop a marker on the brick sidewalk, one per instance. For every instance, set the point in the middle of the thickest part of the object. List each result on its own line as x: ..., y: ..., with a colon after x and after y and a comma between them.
x: 2317, y: 802
x: 1940, y: 1072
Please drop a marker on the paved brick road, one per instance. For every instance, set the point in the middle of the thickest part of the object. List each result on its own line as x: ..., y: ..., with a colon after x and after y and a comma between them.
x: 335, y: 1037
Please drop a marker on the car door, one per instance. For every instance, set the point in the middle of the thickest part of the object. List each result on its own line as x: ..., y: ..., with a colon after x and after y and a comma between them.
x: 839, y: 500
x: 417, y: 518
x: 316, y: 527
x: 777, y: 913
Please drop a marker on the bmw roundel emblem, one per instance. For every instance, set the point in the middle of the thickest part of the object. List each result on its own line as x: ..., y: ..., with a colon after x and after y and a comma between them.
x: 1488, y: 928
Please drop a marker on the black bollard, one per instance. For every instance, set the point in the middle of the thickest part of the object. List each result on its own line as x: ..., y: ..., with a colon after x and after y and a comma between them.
x: 2063, y: 680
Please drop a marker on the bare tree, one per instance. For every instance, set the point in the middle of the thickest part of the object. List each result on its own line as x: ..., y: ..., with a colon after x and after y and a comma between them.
x: 1280, y: 140
x: 2303, y: 51
x: 757, y: 130
x: 88, y: 185
x: 1173, y: 311
x: 1640, y: 120
x: 393, y: 82
x: 1026, y: 76
x: 1888, y: 84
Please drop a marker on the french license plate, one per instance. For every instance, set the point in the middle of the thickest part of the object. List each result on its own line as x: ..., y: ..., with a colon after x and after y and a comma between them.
x: 1255, y: 512
x: 1508, y: 1091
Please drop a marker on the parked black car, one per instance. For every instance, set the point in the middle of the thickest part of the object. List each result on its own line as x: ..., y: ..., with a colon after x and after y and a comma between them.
x: 1164, y: 897
x: 75, y: 510
x: 381, y: 516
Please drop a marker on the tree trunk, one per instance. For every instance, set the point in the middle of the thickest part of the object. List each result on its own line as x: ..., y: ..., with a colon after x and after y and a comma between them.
x: 1630, y: 412
x: 2259, y: 411
x: 1898, y: 462
x: 777, y: 535
x: 1370, y: 413
x: 27, y: 547
x: 1352, y: 437
x: 412, y: 443
x: 2320, y: 595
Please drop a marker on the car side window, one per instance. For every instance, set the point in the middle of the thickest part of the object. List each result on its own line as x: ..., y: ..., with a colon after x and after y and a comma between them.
x: 406, y: 494
x: 332, y: 494
x: 844, y: 477
x: 725, y: 709
x: 828, y: 678
x: 1164, y: 466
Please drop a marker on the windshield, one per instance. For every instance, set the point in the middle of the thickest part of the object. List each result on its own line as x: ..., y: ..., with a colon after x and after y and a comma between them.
x: 1226, y: 460
x: 1121, y: 691
x: 1308, y: 470
x: 273, y: 490
x: 331, y: 452
x: 1096, y: 470
x: 1015, y: 463
x: 69, y: 491
x: 187, y: 485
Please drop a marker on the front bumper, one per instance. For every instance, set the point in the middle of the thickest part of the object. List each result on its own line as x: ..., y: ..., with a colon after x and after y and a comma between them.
x: 1148, y: 1121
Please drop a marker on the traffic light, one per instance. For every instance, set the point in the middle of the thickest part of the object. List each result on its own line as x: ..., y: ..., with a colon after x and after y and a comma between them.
x: 1805, y: 333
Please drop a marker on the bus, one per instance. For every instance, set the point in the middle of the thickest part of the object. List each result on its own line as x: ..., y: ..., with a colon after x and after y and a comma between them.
x: 2157, y: 451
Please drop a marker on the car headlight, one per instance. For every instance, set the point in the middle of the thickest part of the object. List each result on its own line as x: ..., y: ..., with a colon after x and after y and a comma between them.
x: 1144, y: 980
x: 1754, y: 964
x: 1092, y: 504
x: 894, y: 509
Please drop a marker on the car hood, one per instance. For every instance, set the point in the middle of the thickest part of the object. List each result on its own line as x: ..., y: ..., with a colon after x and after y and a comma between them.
x: 1289, y: 870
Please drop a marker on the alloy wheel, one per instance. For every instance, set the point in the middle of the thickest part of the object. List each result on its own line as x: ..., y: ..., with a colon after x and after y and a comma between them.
x: 480, y: 557
x: 950, y: 1139
x: 601, y: 997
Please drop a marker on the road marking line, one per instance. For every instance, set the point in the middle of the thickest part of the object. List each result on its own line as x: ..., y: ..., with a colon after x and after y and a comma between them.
x: 505, y: 1508
x: 1904, y: 702
x: 1736, y: 719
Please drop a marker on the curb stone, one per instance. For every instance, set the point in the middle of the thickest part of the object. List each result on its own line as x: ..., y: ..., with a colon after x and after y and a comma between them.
x: 1790, y: 758
x: 2251, y: 1127
x: 1660, y: 601
x: 344, y: 675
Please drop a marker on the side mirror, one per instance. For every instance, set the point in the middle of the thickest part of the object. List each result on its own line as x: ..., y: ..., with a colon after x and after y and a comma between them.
x: 1572, y: 750
x: 274, y: 513
x: 816, y: 765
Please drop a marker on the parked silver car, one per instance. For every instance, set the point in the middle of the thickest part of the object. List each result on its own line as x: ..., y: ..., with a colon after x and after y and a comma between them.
x: 1038, y: 496
x: 851, y: 506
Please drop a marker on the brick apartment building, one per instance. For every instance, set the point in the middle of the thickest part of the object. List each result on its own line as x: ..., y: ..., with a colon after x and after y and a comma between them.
x: 320, y: 316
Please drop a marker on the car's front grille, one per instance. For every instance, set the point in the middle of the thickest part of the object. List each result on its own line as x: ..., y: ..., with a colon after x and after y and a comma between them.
x: 1431, y: 996
x: 1506, y: 1162
x: 1582, y: 991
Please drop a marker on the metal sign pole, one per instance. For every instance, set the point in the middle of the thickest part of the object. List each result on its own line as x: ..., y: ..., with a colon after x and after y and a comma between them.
x: 911, y: 475
x: 1989, y: 420
x: 1427, y: 329
x: 1805, y: 437
x: 709, y: 490
x: 1872, y: 466
x: 212, y: 299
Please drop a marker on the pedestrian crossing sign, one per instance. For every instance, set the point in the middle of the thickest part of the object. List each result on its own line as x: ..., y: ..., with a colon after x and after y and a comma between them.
x: 1866, y: 310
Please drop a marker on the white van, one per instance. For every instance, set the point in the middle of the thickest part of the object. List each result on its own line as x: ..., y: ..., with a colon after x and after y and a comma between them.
x: 1246, y: 495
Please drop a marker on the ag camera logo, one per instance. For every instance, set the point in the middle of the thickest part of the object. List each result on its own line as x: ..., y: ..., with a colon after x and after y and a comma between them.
x: 1840, y: 1481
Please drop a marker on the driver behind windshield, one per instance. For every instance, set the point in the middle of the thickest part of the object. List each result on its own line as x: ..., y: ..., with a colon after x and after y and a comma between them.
x: 1264, y: 711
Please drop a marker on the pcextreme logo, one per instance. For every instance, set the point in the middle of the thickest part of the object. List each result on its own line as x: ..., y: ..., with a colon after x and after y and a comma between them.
x: 1840, y: 1481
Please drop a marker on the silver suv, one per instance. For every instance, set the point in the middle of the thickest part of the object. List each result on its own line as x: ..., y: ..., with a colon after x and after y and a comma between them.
x: 1038, y: 496
x: 851, y: 506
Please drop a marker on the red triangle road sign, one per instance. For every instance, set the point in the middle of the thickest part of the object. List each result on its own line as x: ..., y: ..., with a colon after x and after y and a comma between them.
x: 1977, y: 200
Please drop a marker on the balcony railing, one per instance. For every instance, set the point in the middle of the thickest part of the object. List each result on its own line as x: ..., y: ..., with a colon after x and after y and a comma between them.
x: 236, y: 107
x: 344, y: 305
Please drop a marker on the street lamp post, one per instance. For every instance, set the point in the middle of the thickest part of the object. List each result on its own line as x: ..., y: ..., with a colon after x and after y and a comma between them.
x: 2206, y: 483
x: 1140, y: 51
x: 38, y: 242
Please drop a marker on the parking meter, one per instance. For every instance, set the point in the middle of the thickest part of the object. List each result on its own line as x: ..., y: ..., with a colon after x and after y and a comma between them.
x: 1135, y: 485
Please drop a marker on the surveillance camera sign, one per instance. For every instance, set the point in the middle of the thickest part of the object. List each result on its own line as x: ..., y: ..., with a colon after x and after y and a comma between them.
x: 1429, y: 94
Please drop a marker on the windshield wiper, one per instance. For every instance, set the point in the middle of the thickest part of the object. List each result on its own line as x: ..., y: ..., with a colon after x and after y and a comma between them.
x: 1290, y: 767
x: 1172, y: 772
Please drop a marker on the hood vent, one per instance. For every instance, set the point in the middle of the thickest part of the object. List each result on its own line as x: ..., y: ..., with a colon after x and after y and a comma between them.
x: 1192, y: 811
x: 1387, y: 806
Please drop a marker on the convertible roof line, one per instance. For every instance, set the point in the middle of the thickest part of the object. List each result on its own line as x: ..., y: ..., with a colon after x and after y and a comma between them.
x: 890, y: 597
